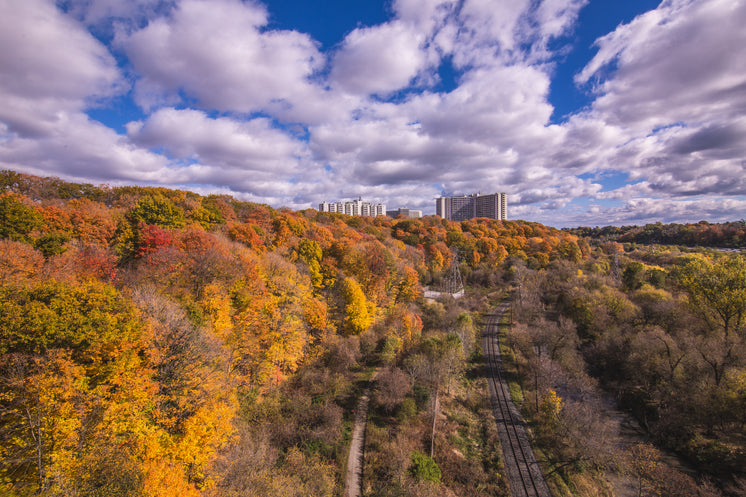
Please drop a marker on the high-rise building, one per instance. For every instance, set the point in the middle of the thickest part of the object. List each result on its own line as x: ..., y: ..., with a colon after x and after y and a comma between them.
x: 493, y: 206
x: 354, y: 208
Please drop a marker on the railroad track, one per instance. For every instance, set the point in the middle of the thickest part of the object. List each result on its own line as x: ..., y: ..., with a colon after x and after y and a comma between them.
x: 523, y: 471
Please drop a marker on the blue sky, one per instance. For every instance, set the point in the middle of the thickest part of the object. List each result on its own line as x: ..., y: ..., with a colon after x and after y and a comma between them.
x: 586, y: 112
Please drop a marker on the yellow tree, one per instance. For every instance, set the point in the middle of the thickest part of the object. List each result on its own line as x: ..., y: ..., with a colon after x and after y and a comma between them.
x: 717, y: 291
x: 358, y: 312
x: 40, y: 420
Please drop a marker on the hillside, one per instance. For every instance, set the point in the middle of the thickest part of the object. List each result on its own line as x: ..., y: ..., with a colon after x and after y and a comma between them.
x: 159, y: 342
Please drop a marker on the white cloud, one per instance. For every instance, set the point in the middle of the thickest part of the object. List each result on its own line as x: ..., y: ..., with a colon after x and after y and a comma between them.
x: 651, y: 210
x: 79, y: 148
x: 251, y: 147
x: 509, y: 32
x: 217, y: 52
x: 491, y: 25
x: 683, y: 62
x: 379, y: 59
x: 51, y: 70
x: 674, y: 82
x: 49, y: 64
x: 555, y: 18
x: 669, y: 93
x: 104, y: 14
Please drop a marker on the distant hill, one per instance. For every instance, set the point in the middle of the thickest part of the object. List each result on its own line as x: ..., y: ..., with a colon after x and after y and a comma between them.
x: 701, y: 234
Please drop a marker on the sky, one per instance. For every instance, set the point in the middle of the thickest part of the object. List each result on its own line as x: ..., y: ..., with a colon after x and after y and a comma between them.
x: 585, y: 112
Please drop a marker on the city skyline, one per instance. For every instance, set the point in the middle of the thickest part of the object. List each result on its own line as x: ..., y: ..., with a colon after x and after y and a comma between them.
x: 584, y: 112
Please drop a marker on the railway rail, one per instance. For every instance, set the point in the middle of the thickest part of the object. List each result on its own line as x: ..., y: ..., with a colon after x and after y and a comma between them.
x: 523, y: 471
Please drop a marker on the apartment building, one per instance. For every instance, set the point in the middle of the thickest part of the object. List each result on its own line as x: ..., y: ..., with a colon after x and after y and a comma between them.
x: 493, y: 206
x: 354, y: 208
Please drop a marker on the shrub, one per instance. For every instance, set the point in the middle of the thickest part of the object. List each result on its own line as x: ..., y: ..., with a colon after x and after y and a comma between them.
x: 424, y: 468
x: 407, y: 409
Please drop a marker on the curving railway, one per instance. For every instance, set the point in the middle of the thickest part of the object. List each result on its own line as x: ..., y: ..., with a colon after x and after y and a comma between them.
x: 523, y: 471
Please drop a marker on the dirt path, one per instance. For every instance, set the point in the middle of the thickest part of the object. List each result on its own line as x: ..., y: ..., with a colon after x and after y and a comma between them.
x: 354, y: 478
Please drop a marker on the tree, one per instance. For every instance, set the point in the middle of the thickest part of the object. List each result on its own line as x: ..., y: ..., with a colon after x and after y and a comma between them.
x: 717, y: 291
x: 440, y: 359
x: 52, y: 244
x: 156, y: 209
x: 309, y: 252
x: 39, y: 420
x: 391, y: 387
x: 92, y: 320
x: 632, y: 277
x: 17, y: 220
x: 358, y: 312
x: 18, y: 262
x: 65, y: 353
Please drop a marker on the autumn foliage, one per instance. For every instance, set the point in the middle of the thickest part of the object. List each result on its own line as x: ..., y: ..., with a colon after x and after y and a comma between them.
x: 148, y: 337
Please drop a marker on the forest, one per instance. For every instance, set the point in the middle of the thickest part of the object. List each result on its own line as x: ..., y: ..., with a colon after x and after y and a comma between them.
x: 158, y: 342
x: 701, y: 234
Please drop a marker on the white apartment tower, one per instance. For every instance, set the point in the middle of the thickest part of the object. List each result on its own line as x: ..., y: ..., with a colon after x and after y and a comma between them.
x: 493, y: 206
x: 354, y: 208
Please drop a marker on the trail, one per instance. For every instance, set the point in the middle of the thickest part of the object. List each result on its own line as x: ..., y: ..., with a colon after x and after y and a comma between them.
x: 354, y: 478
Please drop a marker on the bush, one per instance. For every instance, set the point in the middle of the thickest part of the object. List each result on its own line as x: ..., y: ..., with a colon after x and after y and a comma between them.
x: 424, y: 468
x: 407, y: 410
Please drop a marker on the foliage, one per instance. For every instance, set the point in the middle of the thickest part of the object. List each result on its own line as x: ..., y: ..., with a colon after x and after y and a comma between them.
x: 659, y: 329
x: 717, y: 291
x: 17, y: 220
x: 703, y: 234
x: 92, y: 320
x: 52, y: 244
x: 358, y: 312
x: 157, y: 210
x: 158, y: 342
x: 425, y: 468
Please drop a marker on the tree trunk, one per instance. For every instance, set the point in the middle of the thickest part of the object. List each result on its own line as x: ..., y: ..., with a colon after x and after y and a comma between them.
x: 36, y: 435
x: 435, y: 416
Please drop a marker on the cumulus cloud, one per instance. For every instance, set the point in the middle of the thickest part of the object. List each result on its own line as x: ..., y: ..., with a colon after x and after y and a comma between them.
x: 49, y: 75
x: 674, y: 79
x: 105, y: 15
x: 82, y: 149
x: 251, y: 147
x: 683, y: 62
x: 217, y: 53
x: 41, y: 77
x: 379, y: 59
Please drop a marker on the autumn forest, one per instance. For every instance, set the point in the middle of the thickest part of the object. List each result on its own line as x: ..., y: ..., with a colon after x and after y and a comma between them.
x: 157, y: 342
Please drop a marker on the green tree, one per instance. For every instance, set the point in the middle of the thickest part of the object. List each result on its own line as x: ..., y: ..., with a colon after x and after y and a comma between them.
x: 92, y: 319
x: 17, y: 220
x: 208, y: 216
x: 440, y: 359
x: 52, y: 244
x: 157, y: 209
x: 632, y: 278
